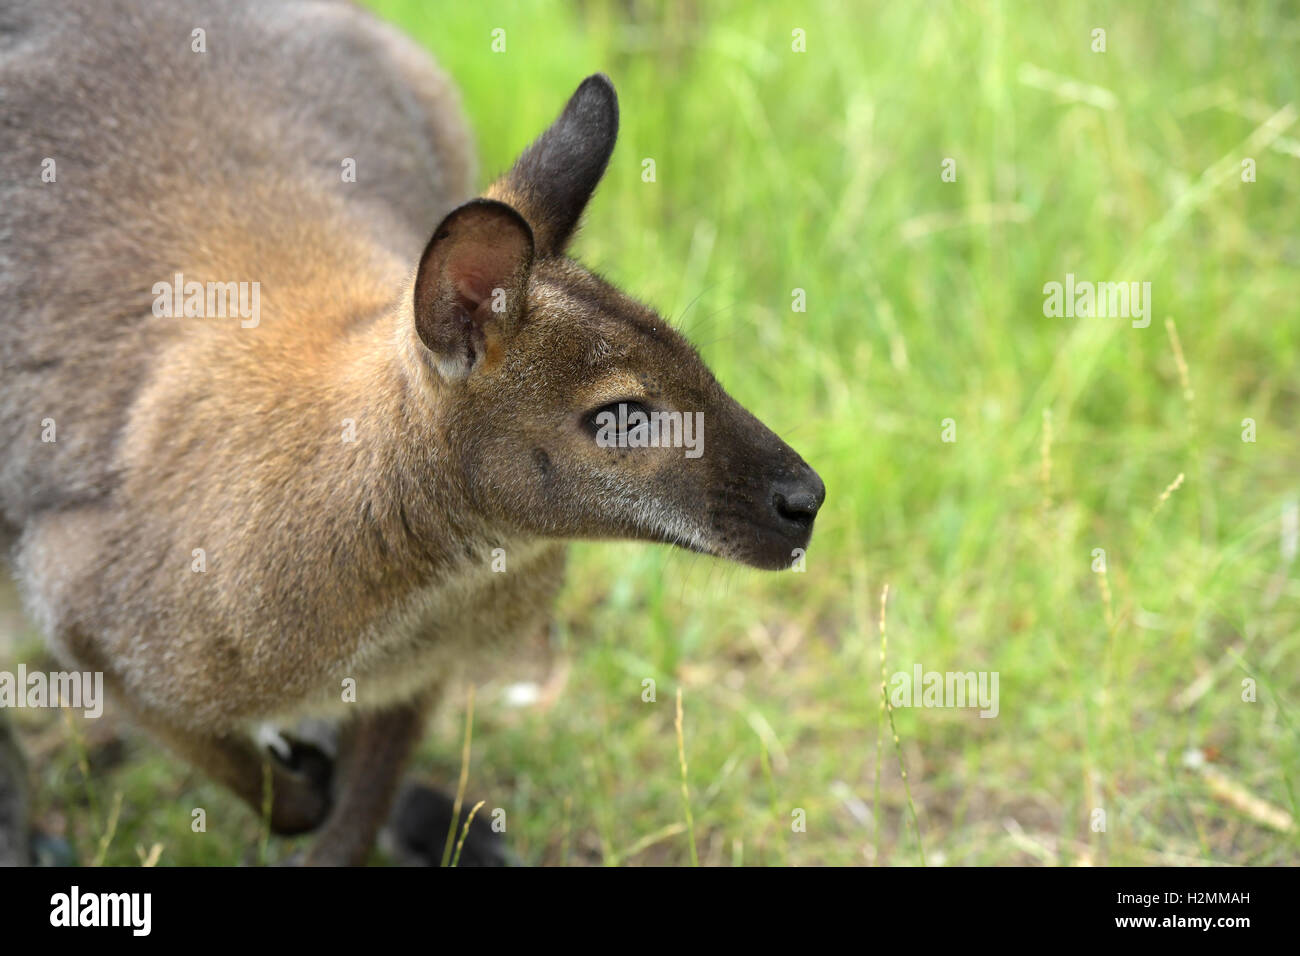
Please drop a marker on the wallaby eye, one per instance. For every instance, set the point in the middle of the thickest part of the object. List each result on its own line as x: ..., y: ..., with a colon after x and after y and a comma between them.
x: 616, y: 419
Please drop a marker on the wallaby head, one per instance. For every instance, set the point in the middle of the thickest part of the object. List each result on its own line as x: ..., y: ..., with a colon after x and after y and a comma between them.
x: 578, y: 412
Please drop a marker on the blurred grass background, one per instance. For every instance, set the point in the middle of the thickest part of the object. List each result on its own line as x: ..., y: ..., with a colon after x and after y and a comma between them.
x: 820, y: 170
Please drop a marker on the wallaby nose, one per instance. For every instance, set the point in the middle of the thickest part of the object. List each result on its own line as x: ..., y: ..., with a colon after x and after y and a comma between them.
x: 797, y: 499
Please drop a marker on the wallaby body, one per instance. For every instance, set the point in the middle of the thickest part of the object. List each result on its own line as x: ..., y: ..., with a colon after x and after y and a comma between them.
x: 233, y: 517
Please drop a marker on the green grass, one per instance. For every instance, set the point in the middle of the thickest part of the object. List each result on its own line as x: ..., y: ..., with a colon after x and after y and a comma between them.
x: 821, y: 170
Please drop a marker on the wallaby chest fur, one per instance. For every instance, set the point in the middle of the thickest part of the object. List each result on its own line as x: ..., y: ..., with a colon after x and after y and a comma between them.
x: 323, y: 558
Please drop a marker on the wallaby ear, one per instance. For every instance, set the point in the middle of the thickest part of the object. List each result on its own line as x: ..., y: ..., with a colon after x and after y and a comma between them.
x: 472, y: 283
x: 552, y: 180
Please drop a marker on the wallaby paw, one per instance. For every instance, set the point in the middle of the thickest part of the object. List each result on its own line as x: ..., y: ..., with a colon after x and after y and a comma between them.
x: 300, y: 785
x: 416, y: 832
x: 307, y: 761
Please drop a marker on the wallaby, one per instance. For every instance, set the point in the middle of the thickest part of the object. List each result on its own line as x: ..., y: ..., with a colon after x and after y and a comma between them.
x: 235, y: 514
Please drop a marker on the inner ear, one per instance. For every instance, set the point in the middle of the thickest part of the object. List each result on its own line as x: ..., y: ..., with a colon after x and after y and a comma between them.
x: 472, y: 283
x: 554, y: 178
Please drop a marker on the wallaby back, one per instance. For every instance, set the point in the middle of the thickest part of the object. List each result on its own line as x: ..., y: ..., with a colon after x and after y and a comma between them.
x: 224, y: 164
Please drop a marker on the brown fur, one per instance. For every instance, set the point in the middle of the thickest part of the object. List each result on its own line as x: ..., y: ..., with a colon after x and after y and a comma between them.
x: 326, y: 559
